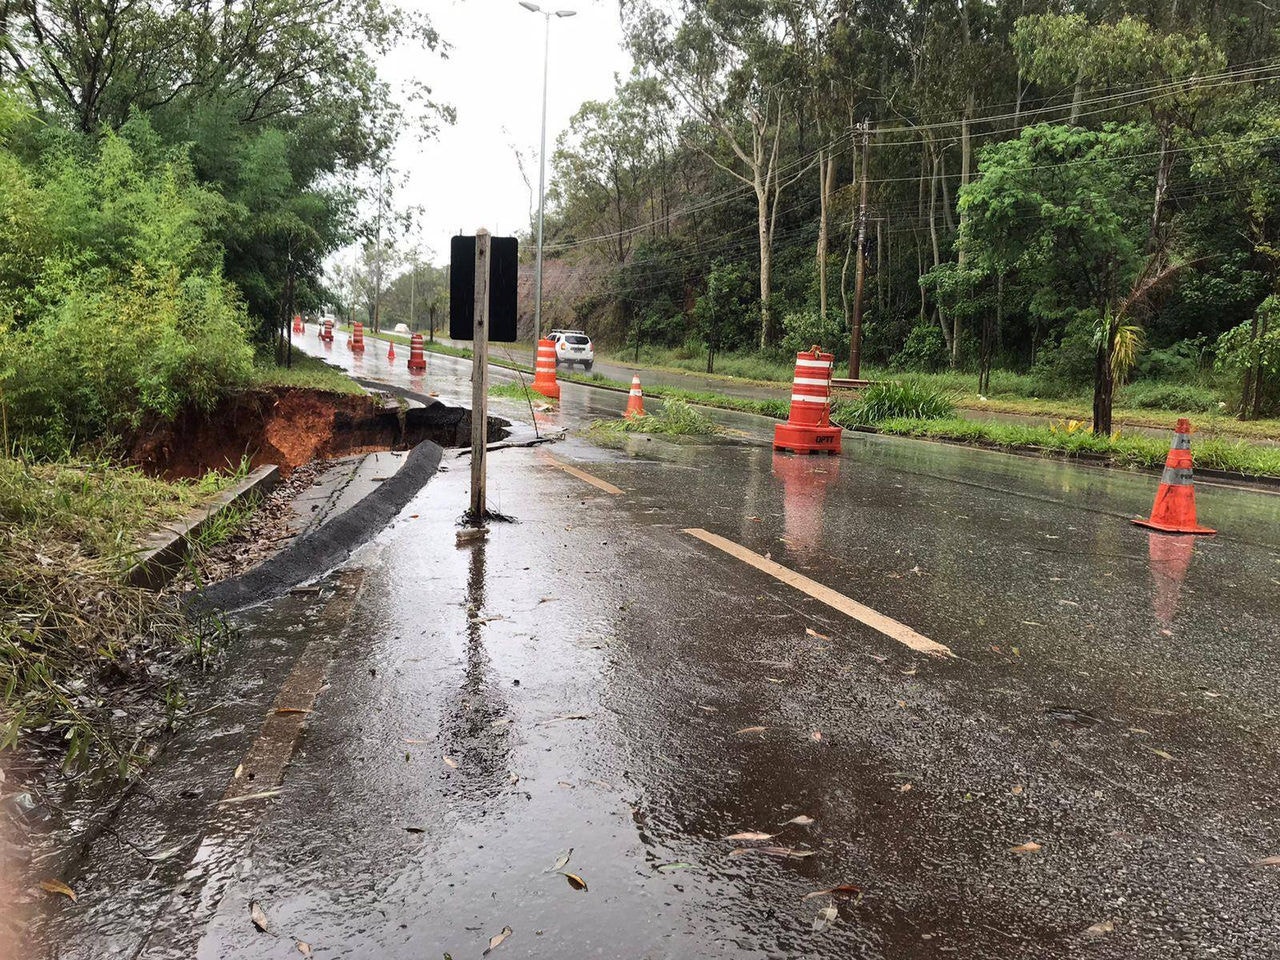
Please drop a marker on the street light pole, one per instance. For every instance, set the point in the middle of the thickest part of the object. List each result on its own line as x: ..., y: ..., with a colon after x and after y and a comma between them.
x: 542, y: 158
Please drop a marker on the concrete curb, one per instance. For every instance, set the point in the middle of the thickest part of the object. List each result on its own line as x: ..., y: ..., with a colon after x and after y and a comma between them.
x: 318, y: 552
x: 163, y: 552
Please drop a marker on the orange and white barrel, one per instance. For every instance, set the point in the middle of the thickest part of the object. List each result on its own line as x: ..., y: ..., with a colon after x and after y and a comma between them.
x: 808, y: 428
x: 544, y: 370
x: 417, y: 359
x: 357, y: 338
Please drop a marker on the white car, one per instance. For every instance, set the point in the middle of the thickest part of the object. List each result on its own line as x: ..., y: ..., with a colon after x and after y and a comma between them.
x: 402, y: 328
x: 573, y: 346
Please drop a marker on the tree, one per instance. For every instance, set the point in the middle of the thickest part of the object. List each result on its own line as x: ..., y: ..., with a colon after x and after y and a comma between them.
x: 1057, y: 210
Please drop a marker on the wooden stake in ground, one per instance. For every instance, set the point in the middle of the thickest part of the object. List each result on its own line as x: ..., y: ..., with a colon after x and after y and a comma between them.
x: 480, y: 378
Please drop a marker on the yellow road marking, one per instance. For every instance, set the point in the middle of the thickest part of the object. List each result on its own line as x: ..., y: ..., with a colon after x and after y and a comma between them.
x: 582, y: 475
x: 837, y: 601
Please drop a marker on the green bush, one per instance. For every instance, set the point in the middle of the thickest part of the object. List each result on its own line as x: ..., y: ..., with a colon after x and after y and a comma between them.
x: 907, y: 399
x: 924, y: 352
x: 803, y: 329
x: 1063, y: 368
x: 107, y: 359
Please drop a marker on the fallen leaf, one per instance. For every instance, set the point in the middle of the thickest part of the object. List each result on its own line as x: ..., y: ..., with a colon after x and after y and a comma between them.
x: 239, y: 771
x: 561, y: 861
x: 816, y: 735
x: 750, y: 835
x: 847, y: 891
x: 566, y: 716
x: 676, y: 865
x: 706, y: 709
x: 451, y: 762
x: 786, y: 853
x: 902, y: 704
x: 910, y: 672
x: 1264, y: 862
x: 775, y: 680
x: 1017, y: 789
x: 57, y: 886
x: 1139, y: 730
x: 752, y: 730
x: 258, y: 915
x: 800, y: 821
x: 547, y: 599
x: 1159, y: 753
x: 755, y: 519
x: 810, y: 632
x: 415, y: 829
x: 304, y: 948
x: 825, y: 917
x: 281, y: 711
x: 904, y: 788
x: 1100, y: 929
x: 496, y: 940
x: 575, y: 881
x: 1029, y: 847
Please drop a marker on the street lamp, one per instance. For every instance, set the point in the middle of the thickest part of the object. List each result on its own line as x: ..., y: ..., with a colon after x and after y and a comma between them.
x: 542, y: 157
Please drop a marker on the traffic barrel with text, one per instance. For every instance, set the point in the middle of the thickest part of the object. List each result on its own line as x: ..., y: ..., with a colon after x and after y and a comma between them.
x: 417, y: 359
x: 635, y: 402
x: 544, y: 370
x: 808, y: 428
x: 1174, y: 510
x: 357, y: 338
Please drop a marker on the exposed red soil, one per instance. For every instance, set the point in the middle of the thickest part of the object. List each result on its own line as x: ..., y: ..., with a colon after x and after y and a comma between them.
x: 287, y: 426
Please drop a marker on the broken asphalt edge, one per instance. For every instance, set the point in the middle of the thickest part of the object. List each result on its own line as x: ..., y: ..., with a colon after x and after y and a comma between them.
x: 324, y: 548
x: 164, y: 551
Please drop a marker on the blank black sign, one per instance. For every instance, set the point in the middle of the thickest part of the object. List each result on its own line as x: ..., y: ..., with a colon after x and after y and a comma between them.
x: 504, y: 267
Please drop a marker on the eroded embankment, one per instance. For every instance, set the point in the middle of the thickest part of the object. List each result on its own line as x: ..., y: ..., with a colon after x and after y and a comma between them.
x: 290, y: 426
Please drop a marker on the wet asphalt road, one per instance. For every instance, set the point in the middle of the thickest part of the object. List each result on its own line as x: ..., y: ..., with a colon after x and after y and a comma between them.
x: 580, y: 680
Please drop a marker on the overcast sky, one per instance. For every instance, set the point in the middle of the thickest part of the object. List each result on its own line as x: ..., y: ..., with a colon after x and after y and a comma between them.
x: 468, y: 177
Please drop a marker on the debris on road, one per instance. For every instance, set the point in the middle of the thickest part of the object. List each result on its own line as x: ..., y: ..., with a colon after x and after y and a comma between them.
x: 496, y: 941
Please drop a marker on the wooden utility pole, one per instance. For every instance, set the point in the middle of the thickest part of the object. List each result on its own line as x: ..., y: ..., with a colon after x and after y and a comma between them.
x: 855, y: 333
x: 480, y: 378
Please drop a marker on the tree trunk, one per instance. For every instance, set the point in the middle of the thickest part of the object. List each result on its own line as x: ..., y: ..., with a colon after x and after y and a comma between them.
x: 933, y: 237
x: 766, y: 265
x: 822, y: 235
x: 966, y: 166
x: 1103, y: 383
x: 1154, y: 239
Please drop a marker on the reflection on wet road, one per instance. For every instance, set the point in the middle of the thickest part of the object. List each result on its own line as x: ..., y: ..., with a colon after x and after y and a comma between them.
x: 1092, y: 773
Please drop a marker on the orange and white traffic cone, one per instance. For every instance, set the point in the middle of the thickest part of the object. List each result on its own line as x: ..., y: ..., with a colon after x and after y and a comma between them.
x: 635, y: 402
x: 1174, y: 510
x: 417, y: 359
x: 391, y: 352
x: 544, y: 370
x: 357, y: 338
x: 808, y: 428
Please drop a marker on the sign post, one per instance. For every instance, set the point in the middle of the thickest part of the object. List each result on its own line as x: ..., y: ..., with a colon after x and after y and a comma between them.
x: 480, y: 378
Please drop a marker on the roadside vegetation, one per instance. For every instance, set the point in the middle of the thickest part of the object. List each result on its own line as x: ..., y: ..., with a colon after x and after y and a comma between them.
x: 676, y: 418
x: 170, y: 187
x: 73, y: 632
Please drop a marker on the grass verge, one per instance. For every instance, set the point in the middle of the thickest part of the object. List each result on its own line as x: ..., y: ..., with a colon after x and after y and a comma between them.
x: 307, y: 371
x: 73, y: 633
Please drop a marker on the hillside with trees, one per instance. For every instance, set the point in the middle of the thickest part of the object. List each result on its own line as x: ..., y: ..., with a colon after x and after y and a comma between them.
x: 1083, y: 194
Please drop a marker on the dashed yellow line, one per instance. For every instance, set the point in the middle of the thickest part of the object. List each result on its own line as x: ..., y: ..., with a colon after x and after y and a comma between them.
x: 837, y: 601
x: 582, y: 475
